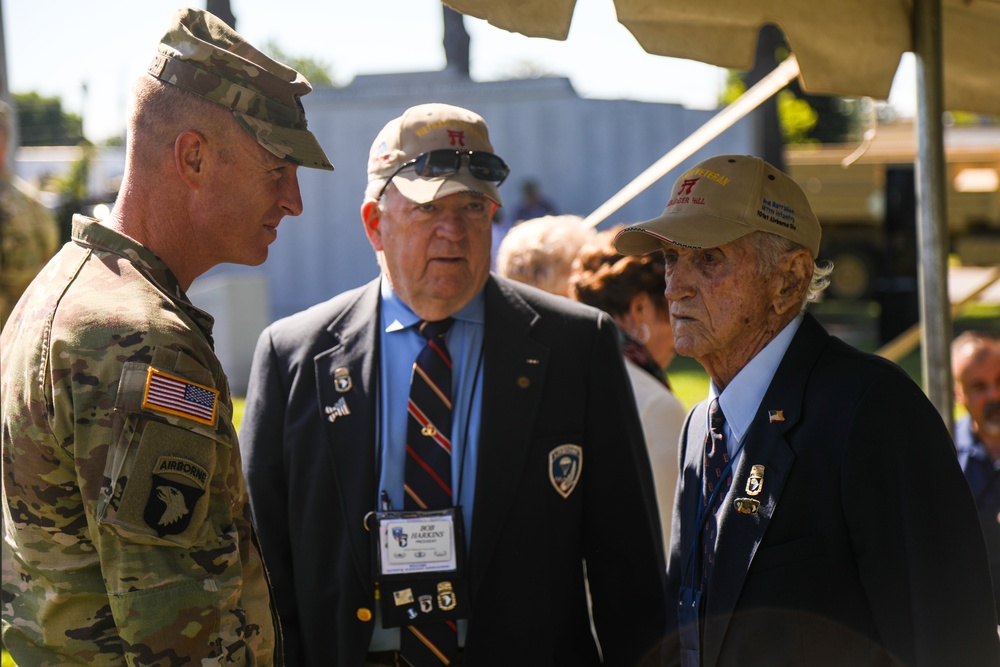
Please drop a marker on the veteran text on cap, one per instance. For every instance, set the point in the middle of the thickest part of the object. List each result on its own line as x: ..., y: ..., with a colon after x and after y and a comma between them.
x: 722, y: 199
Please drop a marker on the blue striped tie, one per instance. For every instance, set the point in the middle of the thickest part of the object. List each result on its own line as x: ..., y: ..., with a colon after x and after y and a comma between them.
x: 716, y: 461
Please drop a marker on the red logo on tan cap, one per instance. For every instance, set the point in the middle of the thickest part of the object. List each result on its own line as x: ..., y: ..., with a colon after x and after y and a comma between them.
x: 457, y: 137
x: 686, y: 186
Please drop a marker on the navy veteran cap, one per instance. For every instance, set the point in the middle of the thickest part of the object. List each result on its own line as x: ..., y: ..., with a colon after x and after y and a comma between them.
x: 204, y: 56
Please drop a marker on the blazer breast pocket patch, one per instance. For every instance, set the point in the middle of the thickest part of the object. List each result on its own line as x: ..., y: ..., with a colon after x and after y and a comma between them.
x: 565, y: 468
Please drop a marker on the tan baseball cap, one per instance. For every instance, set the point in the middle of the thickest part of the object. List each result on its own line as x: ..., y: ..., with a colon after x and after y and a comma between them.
x: 424, y: 128
x: 723, y: 199
x: 204, y: 56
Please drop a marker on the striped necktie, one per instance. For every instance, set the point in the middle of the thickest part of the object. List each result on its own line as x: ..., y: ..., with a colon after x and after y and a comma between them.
x: 715, y: 463
x: 427, y: 476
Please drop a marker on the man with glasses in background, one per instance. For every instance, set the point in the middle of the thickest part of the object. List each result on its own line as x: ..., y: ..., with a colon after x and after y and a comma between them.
x: 437, y: 397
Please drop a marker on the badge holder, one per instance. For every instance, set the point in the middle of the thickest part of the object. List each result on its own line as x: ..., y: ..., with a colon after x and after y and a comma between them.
x: 419, y: 564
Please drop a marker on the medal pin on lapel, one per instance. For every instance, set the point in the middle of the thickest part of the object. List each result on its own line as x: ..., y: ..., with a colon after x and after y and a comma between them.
x: 342, y: 380
x: 755, y: 483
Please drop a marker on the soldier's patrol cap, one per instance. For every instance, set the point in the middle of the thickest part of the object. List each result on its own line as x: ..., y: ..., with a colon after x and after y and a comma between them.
x: 201, y: 54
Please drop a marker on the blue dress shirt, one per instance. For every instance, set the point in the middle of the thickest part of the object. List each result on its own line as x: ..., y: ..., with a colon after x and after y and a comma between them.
x: 400, y: 343
x: 741, y: 399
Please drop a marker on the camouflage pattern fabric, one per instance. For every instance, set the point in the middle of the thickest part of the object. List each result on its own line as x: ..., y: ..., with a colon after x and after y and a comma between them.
x: 204, y: 56
x: 128, y: 531
x: 28, y: 238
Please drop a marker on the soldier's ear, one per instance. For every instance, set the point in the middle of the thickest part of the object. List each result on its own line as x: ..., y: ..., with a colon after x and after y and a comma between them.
x: 190, y: 152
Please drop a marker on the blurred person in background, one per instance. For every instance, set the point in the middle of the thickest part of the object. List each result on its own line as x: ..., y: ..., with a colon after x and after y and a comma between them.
x: 630, y: 289
x: 540, y: 252
x: 975, y: 358
x: 129, y: 537
x: 29, y: 235
x: 533, y: 203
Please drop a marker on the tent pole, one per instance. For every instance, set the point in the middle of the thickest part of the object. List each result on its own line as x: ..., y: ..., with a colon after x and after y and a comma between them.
x: 716, y: 125
x: 932, y: 233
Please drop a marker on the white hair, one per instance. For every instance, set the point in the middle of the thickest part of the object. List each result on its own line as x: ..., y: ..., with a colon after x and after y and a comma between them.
x: 771, y: 248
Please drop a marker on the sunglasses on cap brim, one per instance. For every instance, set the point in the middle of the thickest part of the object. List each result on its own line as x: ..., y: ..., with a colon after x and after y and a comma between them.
x: 445, y: 162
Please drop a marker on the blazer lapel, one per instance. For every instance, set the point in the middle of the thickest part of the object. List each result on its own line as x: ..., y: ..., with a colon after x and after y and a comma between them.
x: 741, y: 532
x: 346, y: 388
x: 514, y: 372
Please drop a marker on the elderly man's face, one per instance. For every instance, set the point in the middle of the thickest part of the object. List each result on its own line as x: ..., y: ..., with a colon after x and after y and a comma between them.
x: 720, y: 307
x: 436, y: 255
x: 977, y: 379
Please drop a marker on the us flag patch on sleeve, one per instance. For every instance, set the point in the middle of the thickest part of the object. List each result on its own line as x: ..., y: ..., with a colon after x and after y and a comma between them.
x: 174, y: 396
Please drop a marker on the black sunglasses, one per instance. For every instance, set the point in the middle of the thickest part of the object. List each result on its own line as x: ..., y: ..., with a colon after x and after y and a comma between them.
x: 444, y: 162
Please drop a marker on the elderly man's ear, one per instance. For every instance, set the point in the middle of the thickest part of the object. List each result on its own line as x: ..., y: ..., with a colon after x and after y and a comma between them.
x: 794, y: 274
x: 371, y: 217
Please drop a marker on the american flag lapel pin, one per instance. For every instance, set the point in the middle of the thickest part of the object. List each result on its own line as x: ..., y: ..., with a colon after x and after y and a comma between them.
x: 338, y: 409
x: 775, y: 416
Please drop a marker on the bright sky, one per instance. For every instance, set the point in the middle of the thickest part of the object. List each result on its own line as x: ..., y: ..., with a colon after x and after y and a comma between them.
x: 88, y: 52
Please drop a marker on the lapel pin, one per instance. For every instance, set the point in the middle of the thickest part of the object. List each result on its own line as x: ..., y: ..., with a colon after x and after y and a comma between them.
x: 776, y: 416
x: 338, y: 409
x: 755, y: 484
x: 746, y: 505
x: 342, y: 380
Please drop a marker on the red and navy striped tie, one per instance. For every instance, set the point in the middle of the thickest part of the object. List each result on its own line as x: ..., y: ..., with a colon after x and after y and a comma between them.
x: 427, y: 476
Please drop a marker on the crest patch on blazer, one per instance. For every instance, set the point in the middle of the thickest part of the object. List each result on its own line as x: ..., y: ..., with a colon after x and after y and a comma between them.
x: 565, y: 468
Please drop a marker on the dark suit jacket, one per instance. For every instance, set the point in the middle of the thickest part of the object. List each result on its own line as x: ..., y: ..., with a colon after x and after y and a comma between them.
x: 865, y: 549
x: 313, y: 480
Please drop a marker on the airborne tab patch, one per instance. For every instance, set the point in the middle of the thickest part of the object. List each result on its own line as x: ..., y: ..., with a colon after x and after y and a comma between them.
x: 175, y: 396
x: 166, y: 465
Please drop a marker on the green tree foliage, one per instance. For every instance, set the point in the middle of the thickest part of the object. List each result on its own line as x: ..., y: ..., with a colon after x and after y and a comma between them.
x: 43, y: 122
x: 807, y: 118
x: 318, y: 73
x: 73, y: 190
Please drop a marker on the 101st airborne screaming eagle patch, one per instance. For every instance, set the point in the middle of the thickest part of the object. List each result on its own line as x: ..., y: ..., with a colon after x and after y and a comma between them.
x: 171, y: 497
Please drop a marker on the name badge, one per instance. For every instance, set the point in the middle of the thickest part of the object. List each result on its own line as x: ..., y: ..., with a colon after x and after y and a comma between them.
x: 411, y: 545
x: 419, y: 566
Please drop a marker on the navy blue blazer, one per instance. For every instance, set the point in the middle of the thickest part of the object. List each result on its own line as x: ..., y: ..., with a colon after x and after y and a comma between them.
x: 552, y: 375
x: 865, y: 548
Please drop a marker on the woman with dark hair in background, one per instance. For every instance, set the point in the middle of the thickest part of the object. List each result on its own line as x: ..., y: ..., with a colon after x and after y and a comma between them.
x: 630, y: 289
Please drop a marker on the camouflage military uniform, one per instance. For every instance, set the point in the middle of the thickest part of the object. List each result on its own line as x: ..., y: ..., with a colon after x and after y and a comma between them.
x: 28, y: 238
x: 128, y: 528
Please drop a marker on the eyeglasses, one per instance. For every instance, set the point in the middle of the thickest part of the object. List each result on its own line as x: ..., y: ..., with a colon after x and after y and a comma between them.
x: 444, y: 162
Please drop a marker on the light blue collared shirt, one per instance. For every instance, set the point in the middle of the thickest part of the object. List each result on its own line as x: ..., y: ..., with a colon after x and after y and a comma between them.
x: 741, y: 398
x: 400, y: 343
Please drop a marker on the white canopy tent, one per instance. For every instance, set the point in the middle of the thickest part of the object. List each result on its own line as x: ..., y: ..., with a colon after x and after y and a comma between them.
x: 849, y: 47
